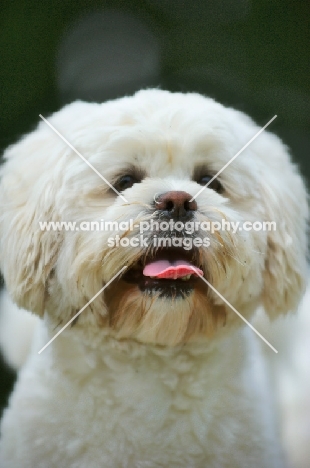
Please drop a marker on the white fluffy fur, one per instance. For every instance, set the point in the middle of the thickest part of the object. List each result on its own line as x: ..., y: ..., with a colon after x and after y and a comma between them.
x: 16, y: 331
x: 182, y: 384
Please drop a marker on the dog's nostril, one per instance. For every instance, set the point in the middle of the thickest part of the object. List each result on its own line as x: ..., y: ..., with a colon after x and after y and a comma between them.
x: 169, y: 205
x: 187, y: 205
x: 176, y: 204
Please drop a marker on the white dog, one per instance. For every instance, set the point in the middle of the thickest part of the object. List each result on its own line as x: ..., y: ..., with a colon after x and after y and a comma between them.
x: 158, y: 370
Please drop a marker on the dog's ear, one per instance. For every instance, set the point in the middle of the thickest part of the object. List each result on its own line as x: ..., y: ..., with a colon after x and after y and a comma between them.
x: 27, y: 194
x: 285, y: 202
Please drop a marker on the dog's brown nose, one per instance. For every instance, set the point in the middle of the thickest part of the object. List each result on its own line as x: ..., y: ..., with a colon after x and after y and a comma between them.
x: 177, y: 205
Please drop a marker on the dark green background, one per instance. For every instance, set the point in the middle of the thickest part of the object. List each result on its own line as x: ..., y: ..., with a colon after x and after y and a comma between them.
x: 251, y: 55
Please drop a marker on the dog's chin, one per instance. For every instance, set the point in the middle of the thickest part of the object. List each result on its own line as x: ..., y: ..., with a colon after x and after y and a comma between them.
x: 163, y: 311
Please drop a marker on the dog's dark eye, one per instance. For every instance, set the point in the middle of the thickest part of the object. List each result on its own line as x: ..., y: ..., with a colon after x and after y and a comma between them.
x: 215, y: 184
x: 125, y: 182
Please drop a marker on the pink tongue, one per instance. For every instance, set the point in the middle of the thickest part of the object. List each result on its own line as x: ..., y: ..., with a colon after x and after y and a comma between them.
x: 165, y: 269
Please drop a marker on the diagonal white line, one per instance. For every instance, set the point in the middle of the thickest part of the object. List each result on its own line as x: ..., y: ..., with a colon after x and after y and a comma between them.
x: 82, y: 157
x: 234, y: 157
x: 83, y: 308
x: 235, y: 310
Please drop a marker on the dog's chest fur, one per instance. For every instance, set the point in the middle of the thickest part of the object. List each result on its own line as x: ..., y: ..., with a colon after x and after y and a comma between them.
x: 135, y: 406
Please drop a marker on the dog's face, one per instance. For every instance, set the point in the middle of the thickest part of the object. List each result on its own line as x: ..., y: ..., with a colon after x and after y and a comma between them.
x: 158, y: 149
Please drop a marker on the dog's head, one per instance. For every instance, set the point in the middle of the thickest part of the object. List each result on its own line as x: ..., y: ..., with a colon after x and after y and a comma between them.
x: 158, y: 150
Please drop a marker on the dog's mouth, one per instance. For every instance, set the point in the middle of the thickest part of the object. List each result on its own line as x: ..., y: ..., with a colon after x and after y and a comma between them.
x: 171, y: 272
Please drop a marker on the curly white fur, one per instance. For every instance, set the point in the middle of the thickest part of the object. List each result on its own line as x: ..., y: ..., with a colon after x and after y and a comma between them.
x: 137, y: 382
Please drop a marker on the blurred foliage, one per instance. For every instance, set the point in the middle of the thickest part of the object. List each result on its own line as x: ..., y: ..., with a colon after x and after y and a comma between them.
x: 252, y: 55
